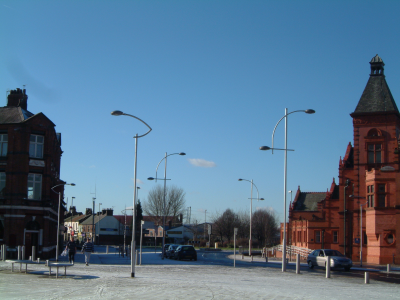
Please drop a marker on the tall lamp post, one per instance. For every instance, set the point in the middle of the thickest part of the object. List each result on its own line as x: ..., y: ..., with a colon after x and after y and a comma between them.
x: 165, y: 189
x: 58, y: 217
x: 251, y: 207
x: 307, y: 111
x: 98, y: 240
x: 361, y: 224
x: 94, y: 202
x: 120, y: 113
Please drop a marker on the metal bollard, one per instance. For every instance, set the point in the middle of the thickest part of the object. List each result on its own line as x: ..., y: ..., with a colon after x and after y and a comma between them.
x: 33, y: 253
x: 366, y: 278
x: 328, y: 267
x: 297, y: 263
x: 23, y: 252
x: 19, y: 252
x: 252, y: 258
x: 38, y: 260
x: 4, y: 251
x: 388, y: 268
x: 242, y: 256
x: 136, y: 257
x: 107, y: 249
x: 266, y: 259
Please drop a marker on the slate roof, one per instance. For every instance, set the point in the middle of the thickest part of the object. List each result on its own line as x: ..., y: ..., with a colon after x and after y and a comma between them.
x: 376, y: 96
x: 308, y: 201
x: 89, y: 220
x: 12, y: 114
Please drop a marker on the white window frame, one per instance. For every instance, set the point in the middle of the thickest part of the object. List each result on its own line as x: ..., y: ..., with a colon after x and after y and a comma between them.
x: 34, y: 186
x: 3, y: 144
x: 35, y: 146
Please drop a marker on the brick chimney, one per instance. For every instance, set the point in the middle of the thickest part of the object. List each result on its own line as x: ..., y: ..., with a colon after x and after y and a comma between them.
x: 18, y: 98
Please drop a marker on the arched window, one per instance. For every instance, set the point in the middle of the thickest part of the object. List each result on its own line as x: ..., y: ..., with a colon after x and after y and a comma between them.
x: 374, y: 132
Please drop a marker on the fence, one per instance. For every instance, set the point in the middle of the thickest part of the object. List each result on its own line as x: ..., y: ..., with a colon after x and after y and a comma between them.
x: 293, y: 250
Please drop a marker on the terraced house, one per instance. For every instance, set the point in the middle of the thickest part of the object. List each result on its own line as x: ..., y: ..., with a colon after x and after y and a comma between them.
x: 30, y: 155
x: 360, y: 213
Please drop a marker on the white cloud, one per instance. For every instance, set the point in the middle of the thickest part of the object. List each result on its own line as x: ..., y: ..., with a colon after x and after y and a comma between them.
x: 202, y: 163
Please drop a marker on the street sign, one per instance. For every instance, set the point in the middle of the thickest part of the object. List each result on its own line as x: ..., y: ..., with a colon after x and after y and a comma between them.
x: 235, y: 231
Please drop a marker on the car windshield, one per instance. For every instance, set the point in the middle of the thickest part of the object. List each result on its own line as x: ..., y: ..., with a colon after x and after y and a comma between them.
x: 333, y: 253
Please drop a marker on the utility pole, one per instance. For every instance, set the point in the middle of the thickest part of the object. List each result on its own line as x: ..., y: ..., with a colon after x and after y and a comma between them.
x: 205, y: 222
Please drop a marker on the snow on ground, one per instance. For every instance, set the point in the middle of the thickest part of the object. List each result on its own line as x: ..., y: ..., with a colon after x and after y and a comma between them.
x: 108, y: 277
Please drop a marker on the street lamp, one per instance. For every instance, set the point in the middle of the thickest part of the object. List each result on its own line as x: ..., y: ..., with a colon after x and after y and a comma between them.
x: 58, y: 217
x: 290, y: 239
x: 120, y: 113
x: 94, y: 202
x: 251, y: 206
x: 361, y: 232
x: 165, y: 188
x: 307, y: 111
x: 99, y: 223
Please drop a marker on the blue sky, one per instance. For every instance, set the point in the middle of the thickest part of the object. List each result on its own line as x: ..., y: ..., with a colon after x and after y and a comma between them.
x: 212, y: 78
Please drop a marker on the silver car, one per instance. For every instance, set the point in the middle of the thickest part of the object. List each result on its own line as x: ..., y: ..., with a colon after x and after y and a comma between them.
x: 338, y: 260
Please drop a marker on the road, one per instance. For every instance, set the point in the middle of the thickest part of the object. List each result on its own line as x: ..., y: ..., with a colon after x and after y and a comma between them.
x: 224, y: 259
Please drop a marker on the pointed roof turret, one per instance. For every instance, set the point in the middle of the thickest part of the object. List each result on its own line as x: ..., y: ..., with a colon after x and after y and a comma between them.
x: 376, y: 97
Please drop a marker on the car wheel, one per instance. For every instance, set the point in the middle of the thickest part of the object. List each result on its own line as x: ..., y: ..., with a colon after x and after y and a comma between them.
x: 310, y: 265
x: 347, y: 269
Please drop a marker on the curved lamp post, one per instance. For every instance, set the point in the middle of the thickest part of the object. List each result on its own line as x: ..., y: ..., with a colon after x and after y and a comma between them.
x: 361, y: 222
x: 251, y: 206
x: 58, y: 217
x: 133, y: 257
x: 165, y: 188
x: 307, y: 111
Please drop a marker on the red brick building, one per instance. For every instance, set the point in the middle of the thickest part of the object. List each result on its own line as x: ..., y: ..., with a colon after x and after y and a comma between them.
x: 369, y: 180
x: 30, y: 154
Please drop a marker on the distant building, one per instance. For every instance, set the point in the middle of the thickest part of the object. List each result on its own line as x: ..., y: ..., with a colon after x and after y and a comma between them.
x: 30, y: 155
x: 369, y: 185
x: 103, y: 228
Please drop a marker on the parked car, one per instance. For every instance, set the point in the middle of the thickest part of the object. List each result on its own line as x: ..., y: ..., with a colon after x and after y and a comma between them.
x: 185, y: 252
x: 166, y: 246
x: 338, y: 260
x: 171, y: 251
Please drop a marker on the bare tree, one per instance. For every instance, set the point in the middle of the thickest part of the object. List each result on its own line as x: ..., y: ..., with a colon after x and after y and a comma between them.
x: 174, y: 202
x: 264, y: 226
x: 243, y: 224
x: 225, y: 224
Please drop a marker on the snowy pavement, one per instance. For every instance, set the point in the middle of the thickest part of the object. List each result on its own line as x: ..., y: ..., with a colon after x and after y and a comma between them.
x: 108, y: 277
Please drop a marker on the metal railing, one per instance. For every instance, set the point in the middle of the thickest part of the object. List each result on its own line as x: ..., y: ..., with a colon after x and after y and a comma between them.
x: 293, y: 250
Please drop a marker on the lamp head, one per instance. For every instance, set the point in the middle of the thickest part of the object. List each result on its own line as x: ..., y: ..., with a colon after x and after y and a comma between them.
x: 265, y: 148
x: 138, y: 187
x: 150, y: 178
x: 117, y: 113
x: 182, y: 153
x: 240, y: 179
x: 261, y: 199
x: 73, y: 184
x: 310, y: 111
